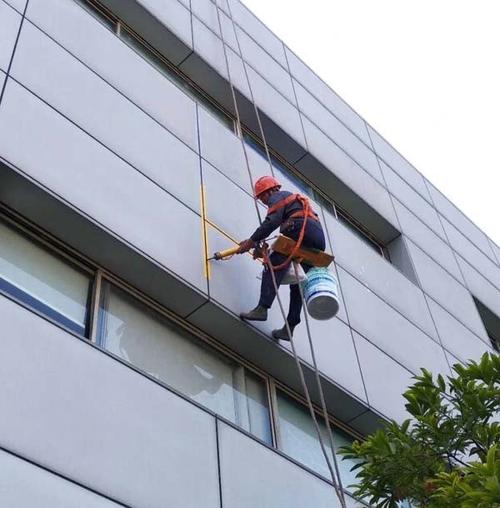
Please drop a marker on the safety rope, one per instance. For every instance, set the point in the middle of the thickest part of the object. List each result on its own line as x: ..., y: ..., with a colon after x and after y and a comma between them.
x: 335, y: 474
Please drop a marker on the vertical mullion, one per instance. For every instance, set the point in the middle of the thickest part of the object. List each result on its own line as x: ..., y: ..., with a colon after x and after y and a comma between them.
x: 273, y: 413
x: 94, y: 310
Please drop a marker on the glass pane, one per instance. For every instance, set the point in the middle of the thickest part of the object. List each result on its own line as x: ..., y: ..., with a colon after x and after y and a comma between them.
x: 152, y: 58
x: 359, y: 233
x: 148, y: 340
x: 298, y: 438
x: 43, y: 280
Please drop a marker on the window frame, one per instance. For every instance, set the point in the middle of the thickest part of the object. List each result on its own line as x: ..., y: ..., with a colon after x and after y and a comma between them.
x: 57, y: 249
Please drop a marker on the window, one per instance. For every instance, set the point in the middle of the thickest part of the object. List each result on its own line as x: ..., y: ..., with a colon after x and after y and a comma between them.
x: 297, y: 437
x: 150, y: 341
x: 491, y: 323
x: 157, y: 61
x: 44, y: 280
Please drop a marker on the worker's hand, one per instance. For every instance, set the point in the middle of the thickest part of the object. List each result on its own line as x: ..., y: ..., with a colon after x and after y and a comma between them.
x: 245, y: 246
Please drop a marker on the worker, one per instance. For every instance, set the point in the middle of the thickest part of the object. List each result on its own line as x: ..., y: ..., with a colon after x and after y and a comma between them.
x: 286, y: 211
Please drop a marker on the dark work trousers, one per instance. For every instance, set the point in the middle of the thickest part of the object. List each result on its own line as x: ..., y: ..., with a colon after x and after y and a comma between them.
x: 313, y: 238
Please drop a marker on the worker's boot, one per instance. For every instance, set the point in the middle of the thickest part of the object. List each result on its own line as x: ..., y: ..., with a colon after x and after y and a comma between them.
x: 257, y: 314
x: 282, y: 333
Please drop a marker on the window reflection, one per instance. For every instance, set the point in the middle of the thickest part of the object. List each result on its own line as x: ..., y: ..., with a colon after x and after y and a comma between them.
x: 148, y: 340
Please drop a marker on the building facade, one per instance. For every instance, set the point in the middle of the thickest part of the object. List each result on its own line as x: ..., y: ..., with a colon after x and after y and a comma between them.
x: 127, y: 377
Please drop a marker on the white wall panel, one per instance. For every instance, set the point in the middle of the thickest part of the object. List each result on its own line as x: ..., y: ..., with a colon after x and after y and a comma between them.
x: 9, y: 27
x: 427, y: 240
x: 265, y: 65
x: 276, y: 107
x: 134, y: 440
x: 209, y: 47
x: 61, y: 157
x: 206, y: 11
x: 326, y: 96
x: 412, y: 200
x: 345, y: 168
x: 54, y: 75
x: 17, y: 4
x: 488, y: 268
x: 337, y: 131
x: 385, y: 380
x: 480, y: 286
x: 455, y: 336
x: 496, y: 251
x: 76, y: 30
x: 253, y: 475
x: 174, y: 15
x: 446, y: 290
x: 257, y: 30
x: 366, y: 265
x: 459, y: 220
x: 389, y: 330
x: 334, y: 350
x: 398, y: 163
x: 23, y: 484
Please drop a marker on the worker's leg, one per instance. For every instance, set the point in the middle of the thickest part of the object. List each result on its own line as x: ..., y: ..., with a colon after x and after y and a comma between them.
x: 267, y: 292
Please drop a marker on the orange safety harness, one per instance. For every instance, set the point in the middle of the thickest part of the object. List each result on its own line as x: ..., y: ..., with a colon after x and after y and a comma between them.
x: 306, y: 213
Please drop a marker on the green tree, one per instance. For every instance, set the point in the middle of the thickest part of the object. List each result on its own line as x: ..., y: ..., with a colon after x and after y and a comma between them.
x: 448, y: 454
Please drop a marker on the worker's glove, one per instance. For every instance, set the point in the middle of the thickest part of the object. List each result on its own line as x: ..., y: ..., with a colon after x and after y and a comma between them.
x: 258, y: 252
x: 245, y: 246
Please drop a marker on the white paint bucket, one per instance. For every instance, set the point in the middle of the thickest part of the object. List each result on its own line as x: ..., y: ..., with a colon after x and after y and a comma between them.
x: 321, y: 293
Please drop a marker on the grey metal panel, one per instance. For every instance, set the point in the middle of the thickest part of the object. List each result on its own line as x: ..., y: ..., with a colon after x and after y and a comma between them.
x: 210, y: 48
x: 266, y: 66
x: 398, y: 163
x: 378, y: 274
x: 326, y: 96
x: 427, y: 240
x: 445, y: 289
x: 61, y: 157
x: 460, y: 221
x: 337, y: 131
x: 67, y: 85
x: 276, y: 107
x: 345, y: 168
x: 488, y: 268
x: 385, y: 380
x: 9, y: 27
x: 76, y: 30
x: 165, y: 25
x: 257, y: 30
x: 480, y: 286
x: 135, y: 441
x: 23, y: 484
x: 454, y: 336
x: 253, y: 475
x: 412, y: 200
x: 2, y: 79
x: 389, y: 330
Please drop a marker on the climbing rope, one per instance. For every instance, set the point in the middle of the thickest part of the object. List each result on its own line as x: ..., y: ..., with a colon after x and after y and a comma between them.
x: 334, y: 470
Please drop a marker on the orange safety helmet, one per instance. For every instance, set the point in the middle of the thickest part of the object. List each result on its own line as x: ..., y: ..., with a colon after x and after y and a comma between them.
x: 264, y: 183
